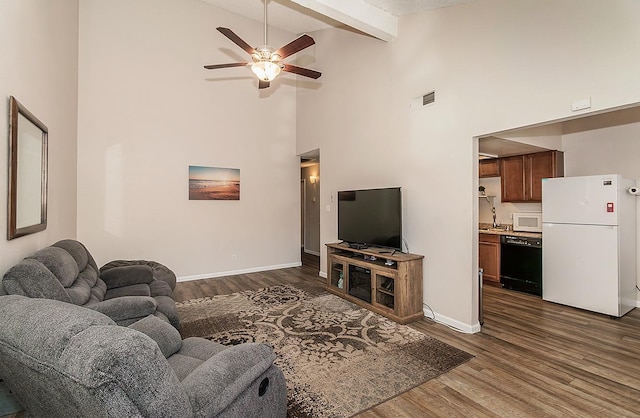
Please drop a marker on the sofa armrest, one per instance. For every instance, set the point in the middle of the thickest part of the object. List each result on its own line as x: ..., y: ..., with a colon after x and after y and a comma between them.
x: 222, y: 378
x: 126, y: 307
x: 127, y: 275
x: 164, y: 334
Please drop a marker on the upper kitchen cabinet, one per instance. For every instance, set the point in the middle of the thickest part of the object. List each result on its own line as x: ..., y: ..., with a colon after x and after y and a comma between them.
x: 489, y: 167
x: 522, y: 175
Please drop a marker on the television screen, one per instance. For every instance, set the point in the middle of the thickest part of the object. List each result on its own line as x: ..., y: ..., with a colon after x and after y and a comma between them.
x: 371, y: 217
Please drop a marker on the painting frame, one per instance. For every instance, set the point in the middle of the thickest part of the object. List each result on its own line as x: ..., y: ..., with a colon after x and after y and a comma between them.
x: 28, y: 168
x: 214, y: 183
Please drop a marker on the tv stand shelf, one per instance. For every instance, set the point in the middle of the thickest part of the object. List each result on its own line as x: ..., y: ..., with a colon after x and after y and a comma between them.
x: 381, y: 280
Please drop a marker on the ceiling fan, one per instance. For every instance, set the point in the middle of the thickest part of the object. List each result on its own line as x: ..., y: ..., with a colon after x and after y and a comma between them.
x: 266, y: 63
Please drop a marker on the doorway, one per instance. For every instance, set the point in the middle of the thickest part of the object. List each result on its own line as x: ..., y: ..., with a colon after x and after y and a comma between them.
x: 598, y: 143
x: 310, y: 208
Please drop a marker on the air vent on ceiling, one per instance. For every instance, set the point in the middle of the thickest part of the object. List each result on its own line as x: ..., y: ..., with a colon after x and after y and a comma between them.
x: 423, y: 100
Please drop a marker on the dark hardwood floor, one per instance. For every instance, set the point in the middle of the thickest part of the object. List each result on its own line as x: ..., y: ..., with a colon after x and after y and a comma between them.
x: 533, y: 358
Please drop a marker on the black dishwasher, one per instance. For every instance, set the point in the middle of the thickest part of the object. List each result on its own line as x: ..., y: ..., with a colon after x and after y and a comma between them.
x: 521, y: 264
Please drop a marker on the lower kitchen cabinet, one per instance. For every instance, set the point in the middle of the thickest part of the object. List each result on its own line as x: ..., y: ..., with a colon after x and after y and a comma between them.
x: 489, y: 257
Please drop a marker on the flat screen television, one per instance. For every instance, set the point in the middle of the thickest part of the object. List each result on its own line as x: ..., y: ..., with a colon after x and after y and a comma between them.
x: 371, y: 217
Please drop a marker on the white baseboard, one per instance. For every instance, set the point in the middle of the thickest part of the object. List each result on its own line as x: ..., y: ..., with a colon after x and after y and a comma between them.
x: 317, y: 254
x: 322, y: 274
x: 450, y: 322
x: 235, y: 272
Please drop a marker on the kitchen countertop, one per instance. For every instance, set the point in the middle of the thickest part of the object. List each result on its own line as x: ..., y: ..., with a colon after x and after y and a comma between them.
x: 486, y: 229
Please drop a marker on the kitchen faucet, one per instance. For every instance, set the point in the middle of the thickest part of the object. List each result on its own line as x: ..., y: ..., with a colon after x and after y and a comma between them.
x: 493, y: 211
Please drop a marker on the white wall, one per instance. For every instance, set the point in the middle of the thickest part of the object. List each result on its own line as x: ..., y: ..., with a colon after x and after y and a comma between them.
x: 606, y: 150
x: 546, y: 136
x: 495, y: 65
x: 39, y: 56
x: 148, y: 110
x: 348, y: 117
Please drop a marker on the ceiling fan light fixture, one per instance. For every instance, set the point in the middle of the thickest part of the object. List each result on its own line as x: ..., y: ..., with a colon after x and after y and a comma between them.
x: 266, y: 61
x: 266, y: 70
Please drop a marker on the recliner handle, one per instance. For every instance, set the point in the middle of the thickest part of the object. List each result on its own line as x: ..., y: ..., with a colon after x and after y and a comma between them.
x: 264, y: 385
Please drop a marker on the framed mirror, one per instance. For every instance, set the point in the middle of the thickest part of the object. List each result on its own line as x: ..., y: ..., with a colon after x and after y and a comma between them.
x: 27, y: 172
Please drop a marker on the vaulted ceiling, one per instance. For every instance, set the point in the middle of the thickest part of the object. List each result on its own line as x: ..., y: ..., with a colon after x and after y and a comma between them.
x: 377, y: 18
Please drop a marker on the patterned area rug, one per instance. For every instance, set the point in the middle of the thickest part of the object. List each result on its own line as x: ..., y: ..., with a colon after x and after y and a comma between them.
x: 338, y: 359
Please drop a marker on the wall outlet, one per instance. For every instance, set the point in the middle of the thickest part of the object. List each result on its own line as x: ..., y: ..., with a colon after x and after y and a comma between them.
x: 233, y: 257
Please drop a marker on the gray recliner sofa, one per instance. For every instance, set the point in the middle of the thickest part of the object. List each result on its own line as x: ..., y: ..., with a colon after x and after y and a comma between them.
x: 126, y: 291
x: 62, y: 360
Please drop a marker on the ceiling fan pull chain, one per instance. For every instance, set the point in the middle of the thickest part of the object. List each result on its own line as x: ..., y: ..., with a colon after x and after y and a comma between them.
x: 265, y: 22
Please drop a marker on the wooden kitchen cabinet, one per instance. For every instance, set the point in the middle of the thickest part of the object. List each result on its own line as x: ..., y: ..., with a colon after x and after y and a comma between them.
x: 489, y: 167
x: 512, y: 184
x: 539, y: 166
x: 489, y: 257
x: 522, y: 175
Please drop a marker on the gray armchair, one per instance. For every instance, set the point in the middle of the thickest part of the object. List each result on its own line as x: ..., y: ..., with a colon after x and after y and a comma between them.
x: 63, y: 360
x: 124, y: 291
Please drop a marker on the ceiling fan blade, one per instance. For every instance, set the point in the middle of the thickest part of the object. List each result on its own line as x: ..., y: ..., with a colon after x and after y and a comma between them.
x: 263, y: 84
x: 234, y: 64
x: 236, y: 39
x: 301, y: 71
x: 296, y: 45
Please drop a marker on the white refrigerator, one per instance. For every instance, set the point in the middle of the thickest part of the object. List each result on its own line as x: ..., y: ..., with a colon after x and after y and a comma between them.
x: 589, y: 243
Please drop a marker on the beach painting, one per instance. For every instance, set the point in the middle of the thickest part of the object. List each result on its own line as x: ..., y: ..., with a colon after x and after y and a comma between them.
x: 214, y: 183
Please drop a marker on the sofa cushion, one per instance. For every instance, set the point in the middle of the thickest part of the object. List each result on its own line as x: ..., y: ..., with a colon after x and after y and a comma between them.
x: 192, y: 354
x: 126, y: 276
x: 167, y: 306
x: 46, y: 340
x: 201, y: 348
x: 59, y: 262
x: 160, y: 271
x: 97, y: 292
x: 79, y: 292
x: 79, y: 253
x: 126, y: 307
x: 31, y: 278
x: 165, y: 335
x: 138, y: 384
x: 160, y: 288
x: 82, y: 290
x: 133, y: 290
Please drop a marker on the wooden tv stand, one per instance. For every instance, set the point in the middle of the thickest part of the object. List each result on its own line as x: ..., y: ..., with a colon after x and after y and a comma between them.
x: 384, y: 282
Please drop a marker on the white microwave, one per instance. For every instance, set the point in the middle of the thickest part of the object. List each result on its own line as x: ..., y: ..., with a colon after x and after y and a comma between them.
x: 527, y: 221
